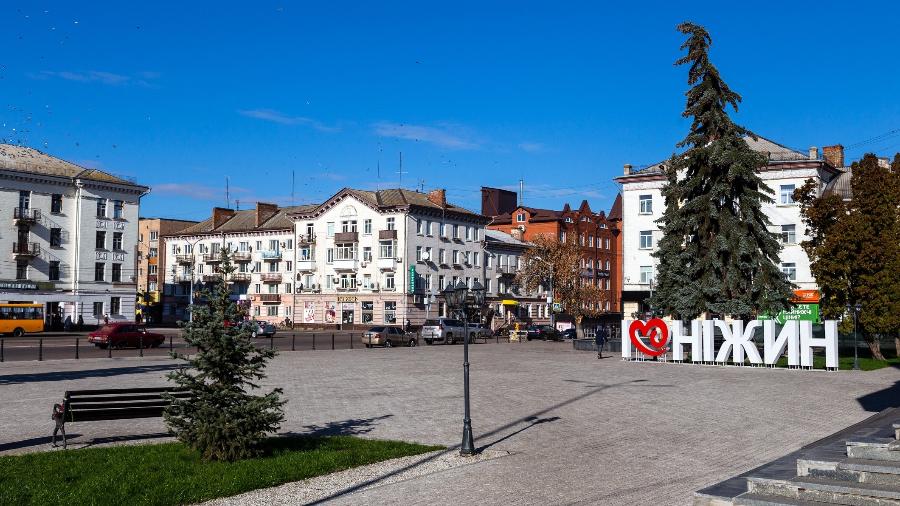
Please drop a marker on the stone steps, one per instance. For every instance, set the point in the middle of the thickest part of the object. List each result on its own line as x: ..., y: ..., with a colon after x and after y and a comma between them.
x: 858, y: 470
x: 826, y: 490
x: 884, y: 449
x: 749, y: 499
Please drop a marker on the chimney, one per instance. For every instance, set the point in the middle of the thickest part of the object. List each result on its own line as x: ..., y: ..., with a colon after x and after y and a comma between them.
x: 221, y: 215
x: 264, y: 212
x: 834, y: 155
x: 627, y: 169
x: 813, y: 153
x: 438, y: 197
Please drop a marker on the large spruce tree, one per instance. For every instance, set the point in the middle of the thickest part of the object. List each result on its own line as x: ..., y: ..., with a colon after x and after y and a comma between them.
x: 222, y: 419
x: 715, y: 212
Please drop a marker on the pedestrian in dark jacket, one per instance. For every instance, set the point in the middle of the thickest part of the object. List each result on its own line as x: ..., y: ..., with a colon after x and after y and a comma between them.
x: 600, y: 339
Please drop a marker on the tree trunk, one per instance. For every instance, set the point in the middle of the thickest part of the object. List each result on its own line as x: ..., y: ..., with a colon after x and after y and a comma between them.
x: 579, y: 332
x: 875, y: 346
x: 897, y: 345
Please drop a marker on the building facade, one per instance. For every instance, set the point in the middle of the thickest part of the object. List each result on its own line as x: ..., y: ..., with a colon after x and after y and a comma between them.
x: 507, y: 302
x: 70, y: 237
x: 643, y: 205
x: 150, y: 258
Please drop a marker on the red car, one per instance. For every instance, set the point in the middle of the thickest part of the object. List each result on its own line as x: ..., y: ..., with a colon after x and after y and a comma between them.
x: 125, y: 335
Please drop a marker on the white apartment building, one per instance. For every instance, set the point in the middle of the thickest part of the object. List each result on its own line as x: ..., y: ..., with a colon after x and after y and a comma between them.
x: 380, y: 257
x: 261, y: 242
x: 786, y: 171
x: 70, y: 237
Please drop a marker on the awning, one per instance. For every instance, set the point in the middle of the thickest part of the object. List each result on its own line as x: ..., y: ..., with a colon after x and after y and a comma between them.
x: 509, y: 302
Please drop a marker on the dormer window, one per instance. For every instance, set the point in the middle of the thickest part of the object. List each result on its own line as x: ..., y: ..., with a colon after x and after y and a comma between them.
x: 568, y: 219
x: 520, y: 218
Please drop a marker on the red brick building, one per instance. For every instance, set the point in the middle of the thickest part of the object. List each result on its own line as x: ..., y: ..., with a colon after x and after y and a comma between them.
x: 597, y: 233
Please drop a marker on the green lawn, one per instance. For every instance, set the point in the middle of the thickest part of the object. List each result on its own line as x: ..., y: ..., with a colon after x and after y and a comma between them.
x: 173, y: 474
x: 866, y: 362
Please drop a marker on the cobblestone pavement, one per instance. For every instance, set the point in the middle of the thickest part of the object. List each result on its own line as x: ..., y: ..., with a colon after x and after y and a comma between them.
x: 579, y: 430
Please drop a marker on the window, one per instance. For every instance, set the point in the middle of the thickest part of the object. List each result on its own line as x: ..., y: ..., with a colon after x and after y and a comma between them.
x: 428, y: 282
x: 271, y: 310
x: 646, y: 274
x: 367, y: 254
x: 289, y: 266
x: 56, y: 203
x: 443, y: 230
x: 100, y: 242
x: 428, y: 229
x: 368, y: 313
x: 477, y: 258
x: 330, y: 232
x: 53, y: 273
x: 466, y: 258
x: 488, y: 260
x: 789, y: 234
x: 390, y: 223
x: 787, y: 194
x: 456, y: 232
x: 487, y: 285
x: 118, y: 207
x: 348, y: 281
x: 367, y: 282
x: 117, y: 241
x: 154, y: 236
x: 101, y: 208
x: 441, y: 283
x: 789, y: 270
x: 591, y: 241
x: 420, y: 227
x: 21, y: 269
x: 520, y: 218
x: 55, y: 237
x: 329, y: 255
x: 390, y: 312
x: 469, y: 231
x: 646, y: 239
x: 367, y: 227
x: 154, y: 252
x: 646, y: 204
x: 117, y: 273
x: 348, y: 226
x: 115, y: 305
x: 387, y: 249
x: 346, y: 251
x: 418, y: 253
x: 98, y: 309
x: 99, y: 271
x: 455, y: 257
x: 258, y: 245
x: 151, y: 269
x: 442, y: 256
x: 389, y: 281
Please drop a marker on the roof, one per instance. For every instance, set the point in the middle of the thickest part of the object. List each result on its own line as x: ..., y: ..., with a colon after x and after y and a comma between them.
x: 245, y: 221
x: 393, y: 198
x: 498, y: 236
x: 840, y: 185
x: 615, y: 214
x: 537, y: 215
x: 32, y: 161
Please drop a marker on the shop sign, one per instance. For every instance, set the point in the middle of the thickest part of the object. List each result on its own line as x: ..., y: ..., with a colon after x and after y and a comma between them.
x: 801, y: 312
x: 346, y: 298
x: 18, y: 285
x: 412, y: 278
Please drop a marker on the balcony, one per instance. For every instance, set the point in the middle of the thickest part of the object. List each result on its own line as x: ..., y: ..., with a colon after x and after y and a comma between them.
x: 346, y: 265
x: 387, y: 234
x: 506, y: 269
x: 306, y: 265
x: 23, y: 216
x: 270, y: 298
x: 387, y: 264
x: 240, y: 277
x: 270, y: 277
x: 602, y: 273
x: 270, y: 256
x: 346, y: 288
x: 346, y: 237
x: 212, y: 258
x: 25, y: 250
x: 240, y: 256
x: 211, y: 277
x: 306, y: 239
x: 587, y: 273
x: 182, y: 278
x: 184, y: 259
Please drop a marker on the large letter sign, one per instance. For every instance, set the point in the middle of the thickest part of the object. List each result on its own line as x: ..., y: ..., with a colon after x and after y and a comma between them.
x: 651, y: 339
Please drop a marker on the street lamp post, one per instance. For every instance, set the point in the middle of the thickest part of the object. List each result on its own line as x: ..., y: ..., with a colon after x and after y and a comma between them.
x: 855, y: 309
x: 458, y: 301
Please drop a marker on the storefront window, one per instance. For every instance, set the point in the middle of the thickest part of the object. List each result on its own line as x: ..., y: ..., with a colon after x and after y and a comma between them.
x: 390, y: 312
x: 368, y: 312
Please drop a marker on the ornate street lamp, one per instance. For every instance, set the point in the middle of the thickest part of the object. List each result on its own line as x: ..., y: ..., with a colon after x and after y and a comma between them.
x: 457, y: 298
x: 855, y: 309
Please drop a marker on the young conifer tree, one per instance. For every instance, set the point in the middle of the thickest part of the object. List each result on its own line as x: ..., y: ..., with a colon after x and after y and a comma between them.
x: 727, y: 251
x: 222, y: 419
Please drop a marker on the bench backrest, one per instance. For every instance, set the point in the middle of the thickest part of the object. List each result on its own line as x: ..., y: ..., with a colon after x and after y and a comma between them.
x: 118, y: 403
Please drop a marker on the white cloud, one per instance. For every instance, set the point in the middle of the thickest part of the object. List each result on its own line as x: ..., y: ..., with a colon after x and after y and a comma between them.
x: 195, y: 191
x: 444, y: 135
x: 532, y: 147
x: 284, y: 119
x: 97, y: 76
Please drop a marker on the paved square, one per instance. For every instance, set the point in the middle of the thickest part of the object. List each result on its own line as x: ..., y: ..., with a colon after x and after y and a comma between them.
x: 580, y: 430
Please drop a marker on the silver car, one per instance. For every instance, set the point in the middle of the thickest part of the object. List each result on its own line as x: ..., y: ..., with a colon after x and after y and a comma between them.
x: 443, y: 330
x: 478, y: 330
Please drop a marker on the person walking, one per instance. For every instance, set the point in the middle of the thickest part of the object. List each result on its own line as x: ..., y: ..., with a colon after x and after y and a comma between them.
x: 600, y: 339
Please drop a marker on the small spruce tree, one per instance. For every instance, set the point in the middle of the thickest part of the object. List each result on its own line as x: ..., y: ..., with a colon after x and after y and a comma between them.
x: 728, y: 256
x: 222, y: 420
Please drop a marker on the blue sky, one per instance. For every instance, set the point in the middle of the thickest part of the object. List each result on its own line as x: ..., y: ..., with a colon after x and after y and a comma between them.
x: 181, y: 95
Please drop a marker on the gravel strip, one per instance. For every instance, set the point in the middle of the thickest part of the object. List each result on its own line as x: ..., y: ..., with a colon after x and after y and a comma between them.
x: 330, y: 486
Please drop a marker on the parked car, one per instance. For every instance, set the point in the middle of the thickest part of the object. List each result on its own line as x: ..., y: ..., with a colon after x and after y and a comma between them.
x: 261, y: 329
x: 569, y: 334
x: 125, y: 335
x: 445, y: 330
x: 478, y: 330
x: 388, y: 337
x: 545, y: 332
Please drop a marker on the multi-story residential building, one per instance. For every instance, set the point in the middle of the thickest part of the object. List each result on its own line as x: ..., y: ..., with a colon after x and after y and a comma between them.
x: 261, y: 242
x: 595, y: 233
x: 378, y: 257
x: 70, y: 237
x: 150, y: 258
x: 508, y: 302
x: 643, y: 205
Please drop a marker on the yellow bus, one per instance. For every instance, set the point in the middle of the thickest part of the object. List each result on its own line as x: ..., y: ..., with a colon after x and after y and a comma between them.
x: 17, y: 319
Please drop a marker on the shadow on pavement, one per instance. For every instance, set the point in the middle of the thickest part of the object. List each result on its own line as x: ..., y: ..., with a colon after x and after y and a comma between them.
x: 14, y: 379
x: 27, y: 443
x: 530, y: 419
x: 351, y: 427
x: 534, y: 421
x: 882, y: 399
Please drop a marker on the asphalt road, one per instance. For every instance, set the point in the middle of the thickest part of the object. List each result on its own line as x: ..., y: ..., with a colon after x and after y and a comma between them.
x: 60, y: 345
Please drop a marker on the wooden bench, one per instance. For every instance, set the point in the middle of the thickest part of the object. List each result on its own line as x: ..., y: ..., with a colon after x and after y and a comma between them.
x: 113, y: 404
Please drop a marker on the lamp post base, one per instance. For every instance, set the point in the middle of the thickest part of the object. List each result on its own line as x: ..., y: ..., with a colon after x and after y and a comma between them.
x: 468, y: 444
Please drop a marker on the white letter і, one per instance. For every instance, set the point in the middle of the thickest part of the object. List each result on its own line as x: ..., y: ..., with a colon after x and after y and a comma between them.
x: 679, y: 339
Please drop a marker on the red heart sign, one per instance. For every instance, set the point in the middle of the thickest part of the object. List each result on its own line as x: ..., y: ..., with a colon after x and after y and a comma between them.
x: 657, y: 333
